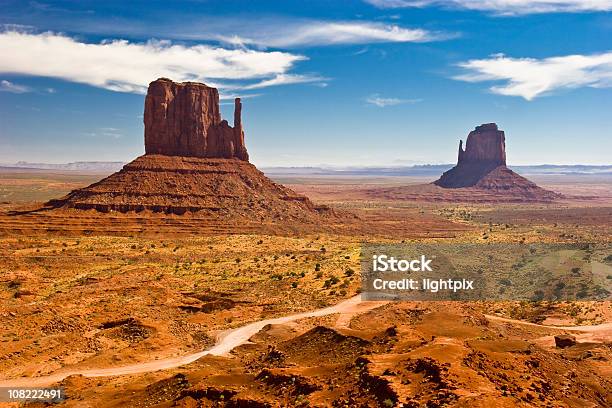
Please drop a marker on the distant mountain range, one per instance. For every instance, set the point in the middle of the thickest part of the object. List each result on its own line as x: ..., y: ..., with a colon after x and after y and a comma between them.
x: 94, y: 166
x: 432, y: 170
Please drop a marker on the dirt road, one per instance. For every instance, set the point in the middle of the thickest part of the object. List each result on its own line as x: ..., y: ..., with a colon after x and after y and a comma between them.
x: 232, y: 338
x: 600, y: 333
x: 226, y: 341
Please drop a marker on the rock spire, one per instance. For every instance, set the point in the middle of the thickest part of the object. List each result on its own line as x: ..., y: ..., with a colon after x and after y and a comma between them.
x: 184, y: 119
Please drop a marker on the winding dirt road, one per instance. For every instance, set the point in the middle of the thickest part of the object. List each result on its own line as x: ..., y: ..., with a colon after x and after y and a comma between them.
x: 226, y: 342
x: 232, y: 338
x: 600, y: 333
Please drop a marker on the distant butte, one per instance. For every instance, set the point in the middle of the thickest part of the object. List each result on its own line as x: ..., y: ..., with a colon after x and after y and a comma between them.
x: 485, y: 150
x: 482, y: 165
x: 480, y: 176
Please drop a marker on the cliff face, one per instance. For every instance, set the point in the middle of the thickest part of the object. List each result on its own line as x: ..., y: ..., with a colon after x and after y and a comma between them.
x: 485, y: 144
x: 183, y: 119
x: 485, y: 150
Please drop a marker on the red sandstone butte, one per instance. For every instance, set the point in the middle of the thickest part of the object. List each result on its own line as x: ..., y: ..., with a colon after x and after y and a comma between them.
x: 482, y: 165
x: 485, y: 144
x: 184, y: 119
x: 194, y: 162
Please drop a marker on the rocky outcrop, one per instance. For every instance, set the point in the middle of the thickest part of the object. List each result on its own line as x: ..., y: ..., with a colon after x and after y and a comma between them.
x: 194, y: 163
x: 219, y: 188
x: 482, y: 165
x: 565, y: 340
x: 184, y: 119
x: 485, y: 144
x: 485, y: 150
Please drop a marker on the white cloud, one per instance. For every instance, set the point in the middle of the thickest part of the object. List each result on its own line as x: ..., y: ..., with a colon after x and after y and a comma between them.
x: 108, y: 132
x: 312, y: 33
x: 7, y: 86
x: 377, y: 100
x: 262, y: 31
x: 530, y: 77
x: 123, y: 66
x: 286, y: 79
x: 506, y: 7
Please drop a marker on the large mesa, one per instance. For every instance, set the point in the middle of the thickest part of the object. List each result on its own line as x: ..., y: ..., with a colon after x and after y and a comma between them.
x: 194, y: 162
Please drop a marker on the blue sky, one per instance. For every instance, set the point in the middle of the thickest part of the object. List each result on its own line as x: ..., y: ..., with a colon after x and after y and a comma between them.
x: 373, y: 82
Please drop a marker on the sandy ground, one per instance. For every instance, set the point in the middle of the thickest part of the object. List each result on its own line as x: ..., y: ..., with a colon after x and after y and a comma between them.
x: 233, y: 338
x: 166, y: 311
x: 226, y: 342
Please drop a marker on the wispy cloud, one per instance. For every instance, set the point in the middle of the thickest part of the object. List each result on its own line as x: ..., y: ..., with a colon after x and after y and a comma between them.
x: 227, y: 98
x: 109, y: 132
x: 7, y: 86
x: 120, y: 65
x: 381, y: 102
x: 504, y: 7
x: 531, y: 77
x: 319, y: 33
x: 286, y: 79
x: 267, y: 31
x: 49, y: 8
x: 361, y: 51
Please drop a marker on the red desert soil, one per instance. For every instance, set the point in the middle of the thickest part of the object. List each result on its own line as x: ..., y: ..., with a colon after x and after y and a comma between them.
x: 495, y: 192
x: 225, y: 343
x: 416, y: 354
x: 419, y: 354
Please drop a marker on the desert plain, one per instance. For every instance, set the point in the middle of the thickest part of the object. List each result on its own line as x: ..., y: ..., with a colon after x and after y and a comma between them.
x: 100, y: 298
